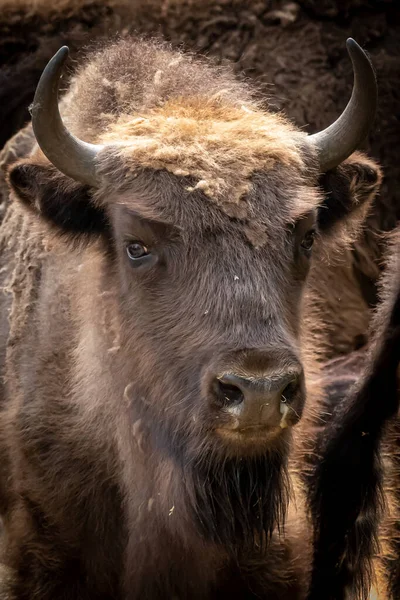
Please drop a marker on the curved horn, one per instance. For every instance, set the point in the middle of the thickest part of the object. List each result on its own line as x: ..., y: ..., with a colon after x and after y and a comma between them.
x: 340, y: 139
x: 67, y: 153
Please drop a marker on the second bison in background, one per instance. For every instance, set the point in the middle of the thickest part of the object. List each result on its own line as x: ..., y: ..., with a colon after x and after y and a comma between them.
x: 156, y: 276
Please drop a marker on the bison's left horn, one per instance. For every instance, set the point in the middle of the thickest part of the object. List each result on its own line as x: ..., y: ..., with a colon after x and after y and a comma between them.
x: 70, y: 155
x: 338, y: 141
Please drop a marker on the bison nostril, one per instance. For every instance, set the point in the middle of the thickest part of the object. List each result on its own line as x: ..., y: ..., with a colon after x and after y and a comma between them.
x: 290, y: 391
x: 228, y: 394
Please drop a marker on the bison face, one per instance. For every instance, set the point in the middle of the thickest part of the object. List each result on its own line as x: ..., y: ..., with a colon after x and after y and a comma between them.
x: 213, y: 303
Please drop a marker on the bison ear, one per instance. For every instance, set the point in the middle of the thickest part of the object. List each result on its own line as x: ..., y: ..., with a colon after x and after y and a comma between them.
x: 348, y: 192
x: 59, y: 200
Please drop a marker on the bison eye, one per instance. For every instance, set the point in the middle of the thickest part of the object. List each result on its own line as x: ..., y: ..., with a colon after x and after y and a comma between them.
x: 308, y: 240
x: 136, y: 250
x: 139, y: 256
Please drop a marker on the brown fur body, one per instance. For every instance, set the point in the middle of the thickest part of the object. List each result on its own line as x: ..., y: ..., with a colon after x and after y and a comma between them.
x: 115, y: 483
x: 357, y: 541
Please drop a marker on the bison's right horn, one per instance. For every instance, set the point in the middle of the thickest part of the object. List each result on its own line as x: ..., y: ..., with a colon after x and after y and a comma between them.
x: 70, y: 155
x: 340, y: 139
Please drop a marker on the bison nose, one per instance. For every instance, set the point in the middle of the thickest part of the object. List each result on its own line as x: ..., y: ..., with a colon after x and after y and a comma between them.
x: 260, y: 402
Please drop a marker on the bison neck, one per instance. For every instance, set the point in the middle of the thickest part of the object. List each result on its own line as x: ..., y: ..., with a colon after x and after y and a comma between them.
x: 196, y: 517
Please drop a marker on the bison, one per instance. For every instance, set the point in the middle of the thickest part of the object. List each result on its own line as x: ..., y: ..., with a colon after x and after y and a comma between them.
x: 158, y: 327
x: 355, y: 488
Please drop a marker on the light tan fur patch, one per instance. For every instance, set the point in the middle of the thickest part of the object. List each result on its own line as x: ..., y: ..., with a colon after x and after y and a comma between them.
x: 219, y: 146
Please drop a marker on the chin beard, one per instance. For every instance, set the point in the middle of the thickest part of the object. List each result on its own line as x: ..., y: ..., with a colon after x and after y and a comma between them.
x: 239, y: 502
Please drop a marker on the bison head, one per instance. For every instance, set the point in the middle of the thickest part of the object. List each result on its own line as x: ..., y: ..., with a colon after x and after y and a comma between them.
x: 207, y: 208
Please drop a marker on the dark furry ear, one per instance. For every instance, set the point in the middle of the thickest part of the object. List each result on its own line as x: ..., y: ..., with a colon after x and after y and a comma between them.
x: 62, y: 202
x: 349, y: 190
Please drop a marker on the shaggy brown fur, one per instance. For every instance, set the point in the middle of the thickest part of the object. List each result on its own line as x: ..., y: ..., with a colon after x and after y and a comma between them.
x: 359, y: 453
x: 122, y: 479
x: 202, y: 138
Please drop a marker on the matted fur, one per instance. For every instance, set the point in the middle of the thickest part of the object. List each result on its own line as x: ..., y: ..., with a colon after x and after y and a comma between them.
x: 218, y: 145
x: 161, y: 118
x: 219, y: 138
